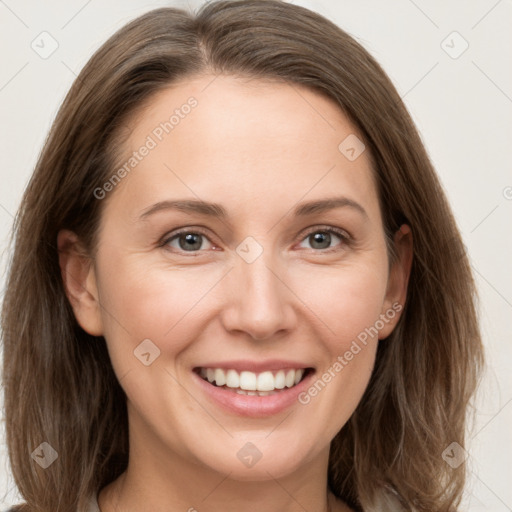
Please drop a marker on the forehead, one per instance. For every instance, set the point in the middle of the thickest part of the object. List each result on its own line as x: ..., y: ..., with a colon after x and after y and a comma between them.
x: 244, y: 140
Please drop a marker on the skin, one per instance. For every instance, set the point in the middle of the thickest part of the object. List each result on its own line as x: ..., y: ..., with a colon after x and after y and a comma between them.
x: 259, y: 149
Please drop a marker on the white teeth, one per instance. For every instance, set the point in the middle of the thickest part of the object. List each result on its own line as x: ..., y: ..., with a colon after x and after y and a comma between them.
x: 232, y: 379
x: 290, y: 378
x: 247, y: 381
x: 279, y: 380
x: 220, y: 377
x: 266, y: 381
x: 251, y: 383
x: 253, y: 393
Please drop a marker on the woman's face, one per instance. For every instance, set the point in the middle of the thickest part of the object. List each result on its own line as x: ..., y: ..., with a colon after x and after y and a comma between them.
x: 251, y: 270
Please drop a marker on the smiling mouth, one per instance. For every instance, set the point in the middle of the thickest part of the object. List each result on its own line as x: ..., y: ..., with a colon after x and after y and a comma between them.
x: 251, y: 383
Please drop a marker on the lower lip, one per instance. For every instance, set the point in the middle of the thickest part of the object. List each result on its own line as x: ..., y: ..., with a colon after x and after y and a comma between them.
x: 254, y: 406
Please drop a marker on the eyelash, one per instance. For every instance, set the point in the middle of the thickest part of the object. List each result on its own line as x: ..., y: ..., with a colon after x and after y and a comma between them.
x: 343, y: 235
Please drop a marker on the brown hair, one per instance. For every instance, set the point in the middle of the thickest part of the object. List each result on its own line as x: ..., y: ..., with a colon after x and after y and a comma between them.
x: 58, y: 381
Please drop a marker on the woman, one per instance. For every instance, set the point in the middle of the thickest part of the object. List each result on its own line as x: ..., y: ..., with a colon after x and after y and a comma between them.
x: 237, y: 283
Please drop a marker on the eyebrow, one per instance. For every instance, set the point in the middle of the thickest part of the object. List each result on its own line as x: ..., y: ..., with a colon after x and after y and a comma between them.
x: 217, y: 211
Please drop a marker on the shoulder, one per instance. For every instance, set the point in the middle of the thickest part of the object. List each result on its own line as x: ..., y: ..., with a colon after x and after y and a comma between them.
x: 92, y: 505
x: 384, y: 500
x: 387, y: 501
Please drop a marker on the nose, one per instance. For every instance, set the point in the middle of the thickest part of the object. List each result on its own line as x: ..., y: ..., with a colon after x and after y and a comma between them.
x: 260, y: 301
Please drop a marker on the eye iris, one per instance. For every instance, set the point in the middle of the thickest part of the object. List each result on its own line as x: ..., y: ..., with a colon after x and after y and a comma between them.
x: 321, y: 238
x: 190, y: 241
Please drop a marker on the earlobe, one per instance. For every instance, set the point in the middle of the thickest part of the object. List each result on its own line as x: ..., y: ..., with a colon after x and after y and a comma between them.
x: 79, y: 279
x: 398, y: 280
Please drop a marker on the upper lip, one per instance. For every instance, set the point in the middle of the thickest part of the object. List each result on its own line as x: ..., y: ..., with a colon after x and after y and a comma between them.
x: 255, y: 366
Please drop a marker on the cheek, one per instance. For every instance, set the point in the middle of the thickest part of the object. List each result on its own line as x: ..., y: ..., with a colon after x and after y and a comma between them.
x: 148, y: 301
x: 348, y: 300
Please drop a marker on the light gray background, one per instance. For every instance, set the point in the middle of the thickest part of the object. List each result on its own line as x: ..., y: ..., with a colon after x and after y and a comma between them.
x: 462, y: 106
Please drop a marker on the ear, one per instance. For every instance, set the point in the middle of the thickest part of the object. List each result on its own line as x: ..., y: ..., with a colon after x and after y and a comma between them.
x: 398, y: 281
x: 77, y: 271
